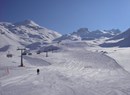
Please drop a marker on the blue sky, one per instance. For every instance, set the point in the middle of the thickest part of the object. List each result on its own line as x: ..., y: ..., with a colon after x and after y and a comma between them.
x: 66, y: 16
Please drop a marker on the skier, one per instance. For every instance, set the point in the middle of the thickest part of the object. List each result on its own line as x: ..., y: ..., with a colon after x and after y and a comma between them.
x: 38, y: 71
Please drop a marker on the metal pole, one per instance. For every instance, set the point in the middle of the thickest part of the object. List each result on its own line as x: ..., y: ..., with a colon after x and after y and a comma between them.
x: 21, y: 58
x: 46, y: 53
x: 21, y: 65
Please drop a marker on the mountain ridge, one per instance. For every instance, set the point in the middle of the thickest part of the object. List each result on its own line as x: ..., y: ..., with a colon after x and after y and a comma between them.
x: 25, y: 33
x: 121, y: 40
x: 86, y: 34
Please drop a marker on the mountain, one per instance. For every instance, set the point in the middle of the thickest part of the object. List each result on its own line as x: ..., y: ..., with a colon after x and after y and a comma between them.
x: 113, y: 31
x: 85, y: 34
x: 104, y: 33
x: 27, y: 23
x: 68, y: 37
x: 66, y: 68
x: 81, y: 32
x: 24, y: 33
x: 121, y: 40
x: 122, y: 35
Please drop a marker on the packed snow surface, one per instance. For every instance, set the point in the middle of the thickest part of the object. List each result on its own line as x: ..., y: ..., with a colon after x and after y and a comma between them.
x: 74, y: 69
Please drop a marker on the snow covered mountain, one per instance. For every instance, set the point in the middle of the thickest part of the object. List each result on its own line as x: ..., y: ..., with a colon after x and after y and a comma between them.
x: 66, y: 68
x: 68, y: 37
x: 124, y: 35
x: 85, y: 34
x: 24, y: 33
x: 121, y: 40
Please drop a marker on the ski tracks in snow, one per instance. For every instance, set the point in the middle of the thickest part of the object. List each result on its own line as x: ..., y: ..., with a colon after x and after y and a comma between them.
x: 65, y: 76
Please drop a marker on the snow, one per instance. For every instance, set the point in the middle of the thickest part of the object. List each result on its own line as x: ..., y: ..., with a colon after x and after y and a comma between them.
x: 68, y: 37
x: 72, y: 70
x: 85, y: 34
x: 121, y: 40
x: 121, y: 55
x: 27, y: 23
x: 26, y: 32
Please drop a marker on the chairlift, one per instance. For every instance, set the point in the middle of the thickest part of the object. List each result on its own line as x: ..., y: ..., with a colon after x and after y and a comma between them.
x: 38, y: 52
x: 2, y: 32
x: 24, y: 53
x: 29, y: 53
x: 9, y: 55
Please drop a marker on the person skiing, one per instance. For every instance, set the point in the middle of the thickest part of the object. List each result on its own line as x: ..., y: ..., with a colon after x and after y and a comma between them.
x: 38, y: 71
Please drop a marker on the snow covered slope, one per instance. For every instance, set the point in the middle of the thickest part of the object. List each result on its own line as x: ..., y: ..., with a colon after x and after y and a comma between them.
x: 24, y: 33
x: 68, y: 37
x: 121, y: 55
x: 71, y: 70
x: 122, y: 35
x: 121, y: 40
x: 8, y: 39
x: 85, y: 34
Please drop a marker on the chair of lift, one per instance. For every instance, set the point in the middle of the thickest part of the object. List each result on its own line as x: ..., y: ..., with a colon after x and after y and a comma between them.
x: 9, y: 55
x: 29, y: 53
x: 24, y: 53
x: 38, y: 52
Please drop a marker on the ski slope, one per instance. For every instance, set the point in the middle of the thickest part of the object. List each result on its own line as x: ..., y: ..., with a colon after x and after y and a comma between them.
x: 72, y: 70
x: 121, y: 55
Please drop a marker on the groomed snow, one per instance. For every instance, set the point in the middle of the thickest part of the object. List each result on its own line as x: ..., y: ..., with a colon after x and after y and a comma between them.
x: 121, y: 55
x: 72, y: 70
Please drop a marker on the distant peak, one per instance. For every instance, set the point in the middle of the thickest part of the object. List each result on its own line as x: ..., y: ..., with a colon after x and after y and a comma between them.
x: 113, y: 30
x: 27, y: 22
x: 83, y: 30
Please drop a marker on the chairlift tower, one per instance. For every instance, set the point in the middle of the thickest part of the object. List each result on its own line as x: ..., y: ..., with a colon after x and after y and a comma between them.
x: 46, y: 53
x: 21, y: 49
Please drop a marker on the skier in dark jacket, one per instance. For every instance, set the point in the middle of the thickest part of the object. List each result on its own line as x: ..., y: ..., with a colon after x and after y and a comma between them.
x: 38, y: 71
